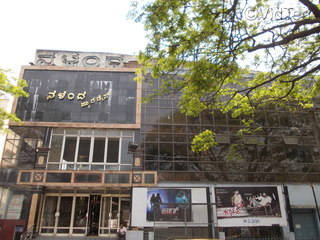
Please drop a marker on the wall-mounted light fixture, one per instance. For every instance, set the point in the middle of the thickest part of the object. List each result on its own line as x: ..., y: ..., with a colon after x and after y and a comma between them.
x: 132, y: 146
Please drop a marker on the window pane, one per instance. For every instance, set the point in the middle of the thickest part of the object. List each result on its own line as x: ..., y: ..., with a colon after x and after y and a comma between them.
x: 10, y: 151
x: 69, y: 149
x: 100, y: 132
x: 113, y: 150
x: 86, y: 132
x: 149, y: 178
x: 84, y: 150
x: 58, y: 177
x: 53, y: 167
x: 49, y: 211
x: 25, y: 177
x: 98, y: 150
x: 80, y: 216
x: 56, y: 144
x: 97, y: 167
x: 127, y: 133
x: 113, y: 133
x: 117, y: 178
x: 71, y: 131
x: 65, y: 212
x: 112, y: 167
x: 58, y: 131
x: 125, y: 157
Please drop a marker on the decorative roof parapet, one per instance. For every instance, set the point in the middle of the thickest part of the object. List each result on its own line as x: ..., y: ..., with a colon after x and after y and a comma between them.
x: 83, y: 59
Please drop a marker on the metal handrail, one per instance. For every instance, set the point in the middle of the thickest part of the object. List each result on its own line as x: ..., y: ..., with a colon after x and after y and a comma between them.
x: 28, y: 234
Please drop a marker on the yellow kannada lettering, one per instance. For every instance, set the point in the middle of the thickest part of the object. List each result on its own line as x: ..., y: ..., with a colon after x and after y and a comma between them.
x: 105, y: 96
x: 51, y: 95
x: 82, y: 96
x: 71, y: 96
x: 85, y: 104
x: 99, y: 98
x: 61, y: 95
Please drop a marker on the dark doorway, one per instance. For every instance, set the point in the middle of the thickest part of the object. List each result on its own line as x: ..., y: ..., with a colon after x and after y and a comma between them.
x: 305, y: 224
x: 94, y: 212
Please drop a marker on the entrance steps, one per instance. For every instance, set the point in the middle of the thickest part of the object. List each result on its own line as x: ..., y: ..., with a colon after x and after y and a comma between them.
x: 74, y: 238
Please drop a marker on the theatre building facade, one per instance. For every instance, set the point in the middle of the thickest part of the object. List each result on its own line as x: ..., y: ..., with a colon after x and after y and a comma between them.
x: 88, y: 155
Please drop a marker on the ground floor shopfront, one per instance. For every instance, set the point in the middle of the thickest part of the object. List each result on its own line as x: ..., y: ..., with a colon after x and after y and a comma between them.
x: 95, y: 213
x: 163, y: 210
x: 69, y: 203
x: 64, y: 212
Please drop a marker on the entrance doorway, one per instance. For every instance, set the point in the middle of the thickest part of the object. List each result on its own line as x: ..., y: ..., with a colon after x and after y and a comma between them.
x: 83, y: 214
x: 114, y: 211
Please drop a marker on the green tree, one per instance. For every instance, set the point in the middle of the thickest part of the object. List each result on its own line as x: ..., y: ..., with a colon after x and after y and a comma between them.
x: 13, y: 87
x: 207, y: 43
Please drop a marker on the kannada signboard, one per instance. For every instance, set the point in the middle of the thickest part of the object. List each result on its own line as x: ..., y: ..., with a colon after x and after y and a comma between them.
x: 14, y: 210
x: 247, y: 206
x: 79, y: 96
x: 176, y: 209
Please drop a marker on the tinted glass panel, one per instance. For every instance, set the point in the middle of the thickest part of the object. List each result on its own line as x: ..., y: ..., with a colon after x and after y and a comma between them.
x: 84, y: 150
x: 98, y: 150
x: 81, y: 177
x: 49, y: 211
x: 81, y: 208
x: 69, y: 149
x: 78, y: 96
x: 8, y: 175
x: 149, y: 178
x: 125, y: 157
x: 113, y: 150
x: 117, y: 178
x: 25, y: 177
x: 55, y: 150
x: 58, y: 177
x: 65, y: 212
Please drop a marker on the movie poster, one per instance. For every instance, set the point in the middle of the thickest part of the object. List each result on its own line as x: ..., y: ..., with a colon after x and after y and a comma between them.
x: 169, y: 205
x: 241, y: 206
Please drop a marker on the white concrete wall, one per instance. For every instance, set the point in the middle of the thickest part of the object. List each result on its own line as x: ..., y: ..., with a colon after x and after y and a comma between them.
x: 301, y: 195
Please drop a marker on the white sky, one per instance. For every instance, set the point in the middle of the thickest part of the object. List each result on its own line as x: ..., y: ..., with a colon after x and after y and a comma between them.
x: 75, y: 25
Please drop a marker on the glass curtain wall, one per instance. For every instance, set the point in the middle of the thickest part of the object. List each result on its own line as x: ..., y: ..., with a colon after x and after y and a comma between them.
x: 285, y: 149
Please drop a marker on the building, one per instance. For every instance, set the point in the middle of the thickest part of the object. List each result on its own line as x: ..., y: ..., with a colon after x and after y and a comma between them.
x: 6, y: 104
x: 89, y: 155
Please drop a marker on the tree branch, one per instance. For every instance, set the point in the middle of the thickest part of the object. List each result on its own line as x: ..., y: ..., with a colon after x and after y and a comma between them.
x: 304, y: 75
x: 282, y: 74
x: 287, y: 39
x: 263, y: 31
x: 312, y: 7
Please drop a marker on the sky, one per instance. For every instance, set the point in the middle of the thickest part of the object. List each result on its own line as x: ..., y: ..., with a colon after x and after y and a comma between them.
x: 74, y: 25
